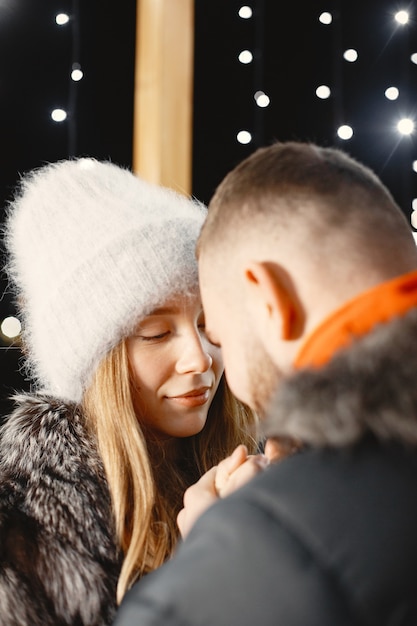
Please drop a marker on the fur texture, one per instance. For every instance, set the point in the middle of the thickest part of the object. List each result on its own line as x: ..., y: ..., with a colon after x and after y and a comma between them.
x: 369, y: 388
x: 58, y: 560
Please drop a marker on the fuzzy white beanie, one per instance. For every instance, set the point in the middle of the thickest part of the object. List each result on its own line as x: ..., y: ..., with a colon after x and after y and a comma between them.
x: 92, y: 250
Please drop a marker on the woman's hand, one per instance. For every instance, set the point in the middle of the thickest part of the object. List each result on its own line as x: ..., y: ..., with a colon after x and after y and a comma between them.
x: 221, y: 480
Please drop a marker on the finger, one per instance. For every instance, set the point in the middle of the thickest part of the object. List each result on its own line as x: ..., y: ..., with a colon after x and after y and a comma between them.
x: 243, y: 474
x: 203, y: 487
x: 229, y: 465
x: 197, y: 498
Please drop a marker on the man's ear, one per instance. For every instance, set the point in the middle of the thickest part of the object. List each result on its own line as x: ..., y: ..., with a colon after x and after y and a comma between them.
x: 271, y: 288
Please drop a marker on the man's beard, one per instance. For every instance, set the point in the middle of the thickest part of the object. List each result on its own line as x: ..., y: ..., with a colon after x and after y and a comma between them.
x: 264, y: 379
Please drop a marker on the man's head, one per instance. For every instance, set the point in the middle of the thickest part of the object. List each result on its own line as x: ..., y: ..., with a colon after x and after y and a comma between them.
x: 292, y: 233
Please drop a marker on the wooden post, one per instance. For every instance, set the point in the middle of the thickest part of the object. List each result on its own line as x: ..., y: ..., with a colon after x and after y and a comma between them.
x: 163, y: 106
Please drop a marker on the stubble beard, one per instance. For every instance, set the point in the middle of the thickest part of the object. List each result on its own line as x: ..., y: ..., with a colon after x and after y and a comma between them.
x: 264, y: 380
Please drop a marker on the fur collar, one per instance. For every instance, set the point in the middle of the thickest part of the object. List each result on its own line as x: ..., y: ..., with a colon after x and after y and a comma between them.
x: 370, y: 387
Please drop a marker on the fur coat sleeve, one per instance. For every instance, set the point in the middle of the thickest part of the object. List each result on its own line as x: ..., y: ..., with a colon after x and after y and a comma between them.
x: 58, y: 560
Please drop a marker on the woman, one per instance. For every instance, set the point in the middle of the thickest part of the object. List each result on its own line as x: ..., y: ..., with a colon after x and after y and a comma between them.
x: 129, y: 406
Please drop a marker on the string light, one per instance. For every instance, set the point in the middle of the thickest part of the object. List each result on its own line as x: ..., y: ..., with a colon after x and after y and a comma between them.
x: 245, y: 57
x: 345, y: 132
x: 392, y: 93
x: 405, y: 126
x: 261, y: 99
x: 61, y: 19
x: 59, y: 115
x: 76, y: 72
x: 11, y: 327
x: 323, y: 92
x: 244, y: 137
x: 350, y: 55
x: 325, y: 18
x: 245, y: 12
x: 402, y: 17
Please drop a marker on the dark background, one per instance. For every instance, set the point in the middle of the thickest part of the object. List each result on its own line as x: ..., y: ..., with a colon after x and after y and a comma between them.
x: 293, y: 54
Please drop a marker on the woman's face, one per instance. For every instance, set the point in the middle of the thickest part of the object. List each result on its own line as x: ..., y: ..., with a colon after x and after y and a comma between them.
x: 176, y: 369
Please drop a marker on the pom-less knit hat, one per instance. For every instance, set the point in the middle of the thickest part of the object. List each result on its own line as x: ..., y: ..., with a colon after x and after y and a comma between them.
x: 93, y: 249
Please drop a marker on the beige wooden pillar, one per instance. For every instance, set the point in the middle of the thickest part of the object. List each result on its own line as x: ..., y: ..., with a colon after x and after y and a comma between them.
x: 163, y: 105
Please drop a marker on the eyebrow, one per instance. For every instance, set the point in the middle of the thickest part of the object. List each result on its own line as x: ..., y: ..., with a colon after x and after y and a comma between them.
x: 166, y: 310
x: 163, y: 311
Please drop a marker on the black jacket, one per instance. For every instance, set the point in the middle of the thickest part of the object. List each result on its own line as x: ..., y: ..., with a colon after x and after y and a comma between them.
x: 327, y: 537
x: 58, y: 560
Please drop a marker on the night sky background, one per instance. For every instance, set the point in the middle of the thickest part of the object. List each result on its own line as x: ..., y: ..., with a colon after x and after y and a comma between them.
x: 293, y: 53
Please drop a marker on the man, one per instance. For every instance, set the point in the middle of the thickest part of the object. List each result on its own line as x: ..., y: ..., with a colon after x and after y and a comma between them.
x: 308, y: 274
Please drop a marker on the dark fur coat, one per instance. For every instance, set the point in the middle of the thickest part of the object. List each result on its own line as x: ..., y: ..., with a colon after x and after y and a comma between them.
x: 58, y: 560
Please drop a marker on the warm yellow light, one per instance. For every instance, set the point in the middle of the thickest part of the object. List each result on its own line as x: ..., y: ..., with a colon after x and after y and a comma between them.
x: 11, y: 327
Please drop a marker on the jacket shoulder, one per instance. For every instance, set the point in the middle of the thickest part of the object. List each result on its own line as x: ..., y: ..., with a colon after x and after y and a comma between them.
x: 302, y: 543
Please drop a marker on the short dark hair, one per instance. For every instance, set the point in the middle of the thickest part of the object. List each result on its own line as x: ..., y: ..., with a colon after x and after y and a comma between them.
x: 285, y: 180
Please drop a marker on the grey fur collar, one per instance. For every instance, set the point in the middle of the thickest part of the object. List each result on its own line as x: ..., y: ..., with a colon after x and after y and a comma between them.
x: 58, y: 560
x: 370, y: 387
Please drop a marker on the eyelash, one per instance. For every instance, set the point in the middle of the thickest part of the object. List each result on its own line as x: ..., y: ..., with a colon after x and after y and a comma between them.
x: 154, y: 337
x: 165, y: 334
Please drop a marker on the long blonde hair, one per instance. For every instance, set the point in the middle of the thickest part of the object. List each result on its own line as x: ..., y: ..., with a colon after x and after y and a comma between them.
x: 146, y: 487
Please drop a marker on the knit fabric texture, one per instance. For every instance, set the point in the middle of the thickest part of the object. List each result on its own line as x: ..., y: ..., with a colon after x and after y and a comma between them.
x: 92, y: 249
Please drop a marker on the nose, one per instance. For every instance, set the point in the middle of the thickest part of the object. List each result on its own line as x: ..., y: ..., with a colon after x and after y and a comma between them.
x: 194, y: 355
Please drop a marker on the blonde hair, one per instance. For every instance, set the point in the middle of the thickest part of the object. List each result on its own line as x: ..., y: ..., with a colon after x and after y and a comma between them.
x: 146, y: 488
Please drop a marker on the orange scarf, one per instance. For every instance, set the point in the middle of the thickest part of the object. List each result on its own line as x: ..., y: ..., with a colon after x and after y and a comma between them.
x: 358, y: 317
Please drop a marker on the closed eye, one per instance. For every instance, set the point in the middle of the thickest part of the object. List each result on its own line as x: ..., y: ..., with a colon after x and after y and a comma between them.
x: 211, y: 340
x: 154, y: 337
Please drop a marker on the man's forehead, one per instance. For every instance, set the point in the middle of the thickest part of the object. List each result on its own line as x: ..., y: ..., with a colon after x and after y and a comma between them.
x: 206, y: 269
x: 208, y: 286
x: 212, y: 284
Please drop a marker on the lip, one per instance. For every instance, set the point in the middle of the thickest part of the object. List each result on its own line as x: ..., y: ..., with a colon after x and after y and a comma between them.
x: 192, y: 398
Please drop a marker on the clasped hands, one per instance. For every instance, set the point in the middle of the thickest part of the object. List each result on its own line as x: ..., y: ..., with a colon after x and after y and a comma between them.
x: 221, y: 480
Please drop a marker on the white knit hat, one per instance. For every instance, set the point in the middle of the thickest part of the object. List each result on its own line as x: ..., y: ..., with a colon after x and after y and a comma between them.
x: 93, y: 249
